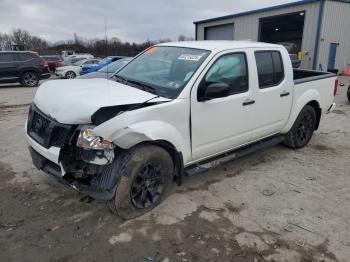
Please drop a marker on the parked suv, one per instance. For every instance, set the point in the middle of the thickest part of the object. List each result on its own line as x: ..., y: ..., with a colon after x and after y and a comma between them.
x: 24, y: 67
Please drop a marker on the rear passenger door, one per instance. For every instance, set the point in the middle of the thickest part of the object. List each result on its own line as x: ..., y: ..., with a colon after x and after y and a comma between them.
x: 274, y: 94
x: 9, y: 65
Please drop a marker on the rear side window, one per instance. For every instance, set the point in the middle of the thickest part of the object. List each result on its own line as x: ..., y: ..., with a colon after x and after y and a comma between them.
x: 25, y: 56
x: 270, y: 68
x: 8, y: 57
x: 232, y: 70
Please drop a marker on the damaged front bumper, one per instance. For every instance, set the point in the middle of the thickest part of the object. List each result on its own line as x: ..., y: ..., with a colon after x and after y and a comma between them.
x: 86, y: 175
x: 87, y: 167
x: 99, y: 185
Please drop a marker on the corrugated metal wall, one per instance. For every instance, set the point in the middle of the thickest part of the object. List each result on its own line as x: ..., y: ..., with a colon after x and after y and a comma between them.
x: 247, y: 27
x: 335, y: 29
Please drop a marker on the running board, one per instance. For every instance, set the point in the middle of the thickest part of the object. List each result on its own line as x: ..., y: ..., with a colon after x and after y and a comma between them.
x: 232, y: 155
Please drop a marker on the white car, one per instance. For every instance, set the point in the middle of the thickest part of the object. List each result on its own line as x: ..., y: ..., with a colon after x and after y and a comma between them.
x: 127, y: 138
x: 72, y: 71
x: 69, y: 60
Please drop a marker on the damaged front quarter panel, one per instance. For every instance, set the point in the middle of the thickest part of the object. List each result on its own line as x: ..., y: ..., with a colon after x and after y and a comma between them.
x: 162, y: 121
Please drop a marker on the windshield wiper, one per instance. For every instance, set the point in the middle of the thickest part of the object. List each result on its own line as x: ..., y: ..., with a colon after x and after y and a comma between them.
x: 143, y: 86
x: 135, y: 84
x: 120, y: 79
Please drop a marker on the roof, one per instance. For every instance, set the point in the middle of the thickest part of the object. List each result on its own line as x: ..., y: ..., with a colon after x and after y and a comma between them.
x: 215, y: 44
x: 276, y: 7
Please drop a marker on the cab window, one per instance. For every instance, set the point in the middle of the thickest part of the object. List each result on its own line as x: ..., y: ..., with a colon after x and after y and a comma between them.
x: 270, y: 68
x: 232, y: 70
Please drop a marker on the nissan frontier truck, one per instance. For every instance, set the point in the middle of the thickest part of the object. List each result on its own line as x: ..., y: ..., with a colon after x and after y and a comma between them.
x: 174, y: 108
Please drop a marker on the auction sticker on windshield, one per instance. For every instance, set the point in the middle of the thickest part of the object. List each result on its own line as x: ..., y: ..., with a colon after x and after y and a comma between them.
x: 189, y: 57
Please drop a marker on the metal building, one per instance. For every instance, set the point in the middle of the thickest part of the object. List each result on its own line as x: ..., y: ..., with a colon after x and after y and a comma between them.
x: 317, y: 30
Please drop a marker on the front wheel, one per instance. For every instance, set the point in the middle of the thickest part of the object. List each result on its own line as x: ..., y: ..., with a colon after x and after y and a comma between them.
x: 146, y: 176
x: 70, y: 75
x: 303, y: 129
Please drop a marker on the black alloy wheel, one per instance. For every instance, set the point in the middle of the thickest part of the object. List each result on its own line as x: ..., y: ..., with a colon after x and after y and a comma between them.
x: 306, y: 128
x: 148, y: 186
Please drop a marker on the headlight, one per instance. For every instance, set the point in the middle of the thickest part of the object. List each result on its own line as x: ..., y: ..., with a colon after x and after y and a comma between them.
x: 88, y: 140
x: 95, y: 149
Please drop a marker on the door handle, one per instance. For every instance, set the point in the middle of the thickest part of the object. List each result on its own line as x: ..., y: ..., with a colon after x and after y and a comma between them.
x: 248, y: 102
x: 284, y: 93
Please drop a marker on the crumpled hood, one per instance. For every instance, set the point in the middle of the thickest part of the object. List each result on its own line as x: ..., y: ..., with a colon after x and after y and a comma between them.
x: 74, y: 101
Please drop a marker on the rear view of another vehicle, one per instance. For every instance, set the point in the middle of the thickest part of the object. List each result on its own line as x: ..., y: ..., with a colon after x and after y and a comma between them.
x: 24, y: 67
x: 53, y: 61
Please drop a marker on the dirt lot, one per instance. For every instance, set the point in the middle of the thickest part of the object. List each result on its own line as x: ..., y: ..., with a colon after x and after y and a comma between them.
x: 274, y: 205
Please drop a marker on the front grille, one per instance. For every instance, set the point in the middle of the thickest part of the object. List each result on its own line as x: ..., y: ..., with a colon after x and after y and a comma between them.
x: 47, y: 131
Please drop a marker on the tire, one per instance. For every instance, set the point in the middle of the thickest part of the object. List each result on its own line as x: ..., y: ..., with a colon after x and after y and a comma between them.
x: 348, y: 93
x: 138, y: 191
x: 29, y: 79
x: 70, y: 75
x: 303, y: 129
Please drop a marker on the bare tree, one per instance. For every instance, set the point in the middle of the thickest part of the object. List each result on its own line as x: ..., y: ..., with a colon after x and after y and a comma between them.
x: 5, y: 42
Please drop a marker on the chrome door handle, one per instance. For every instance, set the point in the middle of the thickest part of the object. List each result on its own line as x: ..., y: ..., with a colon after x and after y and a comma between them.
x: 284, y: 93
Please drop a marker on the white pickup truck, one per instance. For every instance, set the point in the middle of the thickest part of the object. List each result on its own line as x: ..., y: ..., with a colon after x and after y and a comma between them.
x: 174, y: 109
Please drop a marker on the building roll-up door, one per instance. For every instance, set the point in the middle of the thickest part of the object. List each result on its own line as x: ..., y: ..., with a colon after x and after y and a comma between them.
x: 220, y: 32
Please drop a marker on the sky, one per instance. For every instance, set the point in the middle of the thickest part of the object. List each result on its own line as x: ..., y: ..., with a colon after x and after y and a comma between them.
x: 129, y: 20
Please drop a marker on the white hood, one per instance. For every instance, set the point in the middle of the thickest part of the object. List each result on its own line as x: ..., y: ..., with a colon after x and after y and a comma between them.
x: 74, y: 101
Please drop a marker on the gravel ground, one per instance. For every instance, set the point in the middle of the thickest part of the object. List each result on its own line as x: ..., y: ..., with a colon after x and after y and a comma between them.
x: 274, y: 205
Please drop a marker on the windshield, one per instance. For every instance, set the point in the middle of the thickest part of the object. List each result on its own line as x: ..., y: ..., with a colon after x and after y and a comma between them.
x: 79, y: 63
x: 166, y: 70
x: 111, y: 68
x: 105, y: 60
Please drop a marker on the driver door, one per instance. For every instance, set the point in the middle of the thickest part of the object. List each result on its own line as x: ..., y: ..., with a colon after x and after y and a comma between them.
x: 223, y: 123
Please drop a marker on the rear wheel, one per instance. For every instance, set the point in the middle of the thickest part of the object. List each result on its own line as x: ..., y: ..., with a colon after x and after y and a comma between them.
x: 70, y: 75
x: 146, y: 177
x: 348, y: 93
x: 30, y: 79
x: 303, y: 129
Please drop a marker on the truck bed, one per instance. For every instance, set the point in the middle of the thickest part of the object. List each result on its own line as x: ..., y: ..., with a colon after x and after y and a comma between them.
x: 302, y: 76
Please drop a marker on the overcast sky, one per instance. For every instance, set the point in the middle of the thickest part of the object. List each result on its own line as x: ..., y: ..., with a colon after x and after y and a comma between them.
x: 129, y: 20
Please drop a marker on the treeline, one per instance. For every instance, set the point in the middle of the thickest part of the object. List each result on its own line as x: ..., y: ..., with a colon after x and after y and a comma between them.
x: 22, y: 37
x: 97, y: 47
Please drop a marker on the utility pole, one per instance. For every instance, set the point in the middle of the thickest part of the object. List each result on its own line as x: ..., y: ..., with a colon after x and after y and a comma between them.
x: 106, y: 49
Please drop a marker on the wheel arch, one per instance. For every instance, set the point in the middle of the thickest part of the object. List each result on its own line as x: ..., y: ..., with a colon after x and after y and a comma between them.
x: 29, y: 69
x: 316, y: 106
x: 174, y: 153
x: 310, y: 97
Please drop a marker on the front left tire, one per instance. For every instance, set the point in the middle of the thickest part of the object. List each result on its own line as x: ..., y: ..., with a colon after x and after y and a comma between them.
x: 146, y: 173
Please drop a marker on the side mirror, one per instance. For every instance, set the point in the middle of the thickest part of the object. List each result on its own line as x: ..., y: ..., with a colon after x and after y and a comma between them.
x: 213, y: 90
